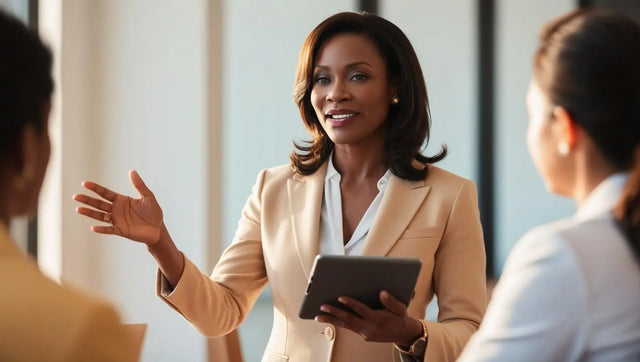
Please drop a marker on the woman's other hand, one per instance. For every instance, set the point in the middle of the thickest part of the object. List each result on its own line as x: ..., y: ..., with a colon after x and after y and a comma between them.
x: 136, y: 219
x: 391, y: 324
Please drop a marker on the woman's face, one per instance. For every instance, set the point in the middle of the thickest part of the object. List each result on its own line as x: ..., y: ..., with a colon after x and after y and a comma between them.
x: 44, y: 149
x: 37, y: 150
x: 543, y: 140
x: 351, y: 93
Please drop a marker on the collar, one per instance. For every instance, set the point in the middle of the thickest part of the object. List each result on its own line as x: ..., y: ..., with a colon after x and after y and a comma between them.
x: 604, y: 197
x: 334, y: 175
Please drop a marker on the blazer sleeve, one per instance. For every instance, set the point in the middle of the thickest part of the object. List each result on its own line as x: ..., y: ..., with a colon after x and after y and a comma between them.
x: 101, y: 338
x: 459, y: 279
x: 216, y: 305
x: 537, y: 309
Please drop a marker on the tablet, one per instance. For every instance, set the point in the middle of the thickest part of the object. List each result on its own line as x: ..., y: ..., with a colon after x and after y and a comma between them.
x: 359, y: 277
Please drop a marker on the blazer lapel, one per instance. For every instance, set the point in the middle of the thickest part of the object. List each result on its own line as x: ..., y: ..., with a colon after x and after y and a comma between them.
x: 305, y: 206
x: 400, y: 203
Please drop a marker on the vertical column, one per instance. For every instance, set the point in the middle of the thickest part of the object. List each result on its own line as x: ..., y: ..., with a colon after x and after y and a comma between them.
x: 485, y: 94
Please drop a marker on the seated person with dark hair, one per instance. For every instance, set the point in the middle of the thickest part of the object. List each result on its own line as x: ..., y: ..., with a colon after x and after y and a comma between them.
x: 39, y: 319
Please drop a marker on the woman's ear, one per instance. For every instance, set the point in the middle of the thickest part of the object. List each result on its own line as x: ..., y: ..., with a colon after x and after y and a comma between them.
x: 394, y: 87
x: 565, y: 129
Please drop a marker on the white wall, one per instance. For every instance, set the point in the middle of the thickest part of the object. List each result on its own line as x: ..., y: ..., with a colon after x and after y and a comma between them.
x: 521, y: 200
x: 443, y: 34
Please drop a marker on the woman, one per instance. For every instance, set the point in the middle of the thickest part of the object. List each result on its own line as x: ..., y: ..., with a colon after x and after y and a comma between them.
x: 39, y: 319
x: 361, y: 187
x: 571, y: 290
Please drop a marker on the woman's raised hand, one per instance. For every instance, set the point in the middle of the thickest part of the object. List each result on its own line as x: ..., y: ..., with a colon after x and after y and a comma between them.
x: 136, y: 219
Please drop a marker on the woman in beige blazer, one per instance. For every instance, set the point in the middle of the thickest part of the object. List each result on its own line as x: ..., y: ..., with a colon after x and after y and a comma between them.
x: 39, y: 319
x: 360, y: 187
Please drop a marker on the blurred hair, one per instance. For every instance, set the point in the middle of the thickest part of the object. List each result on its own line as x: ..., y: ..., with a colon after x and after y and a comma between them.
x: 408, y: 122
x: 26, y: 83
x: 588, y: 62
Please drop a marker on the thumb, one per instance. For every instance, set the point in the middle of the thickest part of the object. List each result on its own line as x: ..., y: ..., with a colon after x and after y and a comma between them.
x: 392, y: 304
x: 140, y: 186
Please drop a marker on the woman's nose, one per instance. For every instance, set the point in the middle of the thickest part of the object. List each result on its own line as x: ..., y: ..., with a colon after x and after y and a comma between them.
x: 338, y: 92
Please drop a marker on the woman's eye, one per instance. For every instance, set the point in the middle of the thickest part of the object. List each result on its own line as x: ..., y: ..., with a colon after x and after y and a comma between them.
x: 359, y: 77
x: 321, y: 79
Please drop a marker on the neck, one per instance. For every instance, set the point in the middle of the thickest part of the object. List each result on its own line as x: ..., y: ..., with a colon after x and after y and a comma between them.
x: 592, y: 171
x: 359, y: 163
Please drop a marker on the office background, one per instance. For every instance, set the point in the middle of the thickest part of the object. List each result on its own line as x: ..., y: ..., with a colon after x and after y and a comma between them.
x: 197, y: 96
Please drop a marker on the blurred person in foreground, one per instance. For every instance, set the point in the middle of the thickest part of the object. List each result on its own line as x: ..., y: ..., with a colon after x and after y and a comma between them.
x: 570, y: 290
x: 39, y: 319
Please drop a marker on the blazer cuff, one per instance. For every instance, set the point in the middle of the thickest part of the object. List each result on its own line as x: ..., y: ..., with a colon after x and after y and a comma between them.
x: 163, y: 287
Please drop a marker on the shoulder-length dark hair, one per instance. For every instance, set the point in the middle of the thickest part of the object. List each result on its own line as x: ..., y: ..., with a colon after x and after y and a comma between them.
x: 408, y: 122
x: 588, y: 62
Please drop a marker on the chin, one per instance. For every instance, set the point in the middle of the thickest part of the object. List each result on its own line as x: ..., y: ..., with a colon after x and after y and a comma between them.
x: 555, y: 189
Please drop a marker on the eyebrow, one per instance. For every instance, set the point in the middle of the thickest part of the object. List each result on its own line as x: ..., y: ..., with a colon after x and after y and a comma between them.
x: 350, y: 65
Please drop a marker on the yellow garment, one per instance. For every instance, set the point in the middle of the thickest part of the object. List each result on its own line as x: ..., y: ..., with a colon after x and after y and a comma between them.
x: 41, y: 320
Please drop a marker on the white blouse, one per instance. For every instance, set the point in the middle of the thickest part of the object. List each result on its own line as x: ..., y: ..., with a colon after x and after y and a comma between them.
x: 570, y: 291
x: 331, y: 237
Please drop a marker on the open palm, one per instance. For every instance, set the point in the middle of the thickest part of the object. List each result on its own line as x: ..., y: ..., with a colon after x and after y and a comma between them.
x: 136, y: 219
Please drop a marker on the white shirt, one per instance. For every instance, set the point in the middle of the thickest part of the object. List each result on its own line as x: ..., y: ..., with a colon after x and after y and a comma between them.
x: 331, y: 236
x: 570, y: 291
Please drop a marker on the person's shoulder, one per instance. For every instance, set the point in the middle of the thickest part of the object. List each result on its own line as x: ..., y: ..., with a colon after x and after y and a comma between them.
x: 280, y: 171
x: 69, y: 304
x: 546, y: 242
x: 49, y: 315
x: 283, y: 173
x: 571, y: 232
x: 440, y: 177
x: 448, y: 187
x: 79, y: 312
x: 275, y: 176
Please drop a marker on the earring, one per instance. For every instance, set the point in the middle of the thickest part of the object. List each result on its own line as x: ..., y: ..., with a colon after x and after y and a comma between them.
x: 563, y: 149
x: 395, y: 100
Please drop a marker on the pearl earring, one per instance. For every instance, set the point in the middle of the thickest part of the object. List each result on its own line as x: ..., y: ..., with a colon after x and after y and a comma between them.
x: 563, y: 149
x: 395, y: 100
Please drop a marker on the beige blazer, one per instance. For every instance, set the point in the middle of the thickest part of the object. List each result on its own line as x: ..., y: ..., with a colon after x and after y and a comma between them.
x: 277, y: 240
x: 43, y: 321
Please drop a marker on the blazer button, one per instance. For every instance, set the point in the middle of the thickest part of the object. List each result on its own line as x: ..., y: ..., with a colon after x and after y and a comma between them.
x: 330, y: 333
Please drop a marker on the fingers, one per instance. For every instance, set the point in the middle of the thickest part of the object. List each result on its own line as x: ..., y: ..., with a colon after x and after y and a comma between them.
x: 338, y: 317
x: 392, y: 304
x: 111, y: 230
x: 94, y: 214
x: 92, y: 201
x: 140, y: 186
x: 100, y: 190
x: 360, y: 308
